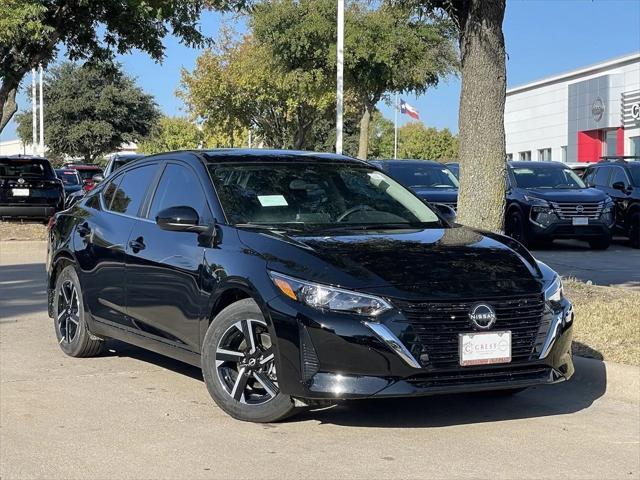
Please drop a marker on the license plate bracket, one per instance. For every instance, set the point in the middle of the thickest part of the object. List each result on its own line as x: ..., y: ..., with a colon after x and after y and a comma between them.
x: 580, y: 221
x: 20, y: 192
x: 484, y: 348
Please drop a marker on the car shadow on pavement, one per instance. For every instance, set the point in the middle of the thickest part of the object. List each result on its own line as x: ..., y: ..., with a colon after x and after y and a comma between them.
x: 586, y: 386
x: 23, y: 290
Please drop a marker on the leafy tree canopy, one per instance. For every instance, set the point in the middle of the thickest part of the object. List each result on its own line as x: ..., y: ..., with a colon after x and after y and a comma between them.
x: 91, y: 110
x: 172, y: 133
x: 31, y: 31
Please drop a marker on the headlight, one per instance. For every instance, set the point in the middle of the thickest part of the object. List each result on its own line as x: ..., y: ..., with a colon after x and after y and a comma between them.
x: 554, y: 292
x: 324, y: 297
x: 536, y: 202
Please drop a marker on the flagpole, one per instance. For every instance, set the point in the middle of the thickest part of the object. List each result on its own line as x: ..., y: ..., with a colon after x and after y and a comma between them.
x: 41, y: 114
x: 34, y: 112
x: 339, y: 76
x: 395, y: 129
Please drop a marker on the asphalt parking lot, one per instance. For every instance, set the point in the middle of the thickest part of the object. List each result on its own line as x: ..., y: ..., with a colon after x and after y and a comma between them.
x: 619, y: 265
x: 134, y: 414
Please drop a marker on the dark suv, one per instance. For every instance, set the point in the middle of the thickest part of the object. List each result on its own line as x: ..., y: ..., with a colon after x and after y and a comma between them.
x: 298, y: 278
x: 432, y: 181
x: 548, y: 201
x: 620, y: 179
x: 29, y: 189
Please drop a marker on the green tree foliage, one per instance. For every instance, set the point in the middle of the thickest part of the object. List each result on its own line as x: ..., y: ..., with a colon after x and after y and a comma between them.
x: 240, y: 86
x: 417, y: 141
x: 172, y: 133
x: 91, y: 110
x: 32, y: 31
x: 387, y: 49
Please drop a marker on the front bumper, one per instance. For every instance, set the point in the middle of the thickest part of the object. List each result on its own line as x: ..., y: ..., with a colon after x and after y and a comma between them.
x: 565, y: 229
x: 331, y: 356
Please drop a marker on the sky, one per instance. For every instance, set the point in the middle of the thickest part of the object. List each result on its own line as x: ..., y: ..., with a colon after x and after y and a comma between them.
x: 543, y: 38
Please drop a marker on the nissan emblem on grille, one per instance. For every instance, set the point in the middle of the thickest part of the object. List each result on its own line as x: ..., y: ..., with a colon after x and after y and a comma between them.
x: 482, y: 316
x: 579, y: 208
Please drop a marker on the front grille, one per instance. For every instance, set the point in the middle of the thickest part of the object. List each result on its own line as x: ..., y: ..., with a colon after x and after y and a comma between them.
x: 567, y: 211
x: 436, y: 326
x: 482, y: 376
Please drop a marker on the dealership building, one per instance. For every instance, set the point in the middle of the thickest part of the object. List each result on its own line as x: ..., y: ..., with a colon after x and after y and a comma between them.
x: 578, y: 116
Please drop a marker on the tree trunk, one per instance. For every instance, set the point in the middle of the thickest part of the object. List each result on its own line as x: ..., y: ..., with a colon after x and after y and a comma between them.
x: 481, y: 119
x: 8, y: 105
x: 363, y: 144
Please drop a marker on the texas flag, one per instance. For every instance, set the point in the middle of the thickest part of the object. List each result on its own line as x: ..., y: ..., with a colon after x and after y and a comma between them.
x: 408, y: 110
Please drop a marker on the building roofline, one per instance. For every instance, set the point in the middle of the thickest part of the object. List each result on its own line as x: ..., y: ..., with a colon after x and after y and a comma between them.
x: 574, y: 74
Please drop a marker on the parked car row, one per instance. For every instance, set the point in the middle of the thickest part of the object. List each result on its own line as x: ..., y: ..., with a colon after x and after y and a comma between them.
x: 546, y: 200
x: 30, y: 189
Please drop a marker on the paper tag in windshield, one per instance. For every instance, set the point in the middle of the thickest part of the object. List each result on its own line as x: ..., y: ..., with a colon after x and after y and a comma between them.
x: 272, y: 200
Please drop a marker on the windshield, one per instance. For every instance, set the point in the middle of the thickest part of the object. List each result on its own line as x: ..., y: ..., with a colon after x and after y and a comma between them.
x: 547, y: 177
x: 316, y: 195
x: 68, y: 177
x: 25, y: 168
x: 423, y: 176
x: 635, y: 174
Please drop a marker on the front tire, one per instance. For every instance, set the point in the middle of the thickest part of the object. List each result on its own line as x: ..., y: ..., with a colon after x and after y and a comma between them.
x: 238, y: 365
x: 69, y: 318
x: 515, y: 228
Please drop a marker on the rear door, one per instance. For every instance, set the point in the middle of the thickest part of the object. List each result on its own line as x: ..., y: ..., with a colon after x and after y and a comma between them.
x: 101, y: 241
x: 164, y: 268
x: 618, y: 174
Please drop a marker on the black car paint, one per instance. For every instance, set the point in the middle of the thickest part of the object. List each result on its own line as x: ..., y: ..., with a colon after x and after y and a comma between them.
x: 626, y: 197
x: 516, y: 202
x: 46, y: 192
x: 167, y: 305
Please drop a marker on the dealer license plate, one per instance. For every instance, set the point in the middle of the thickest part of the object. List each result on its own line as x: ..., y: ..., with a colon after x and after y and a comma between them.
x: 484, y: 348
x: 580, y: 221
x: 20, y: 192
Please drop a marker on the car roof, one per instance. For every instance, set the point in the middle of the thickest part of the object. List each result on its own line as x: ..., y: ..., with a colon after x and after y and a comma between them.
x: 535, y: 164
x: 409, y: 161
x: 84, y: 167
x: 22, y: 157
x: 260, y: 155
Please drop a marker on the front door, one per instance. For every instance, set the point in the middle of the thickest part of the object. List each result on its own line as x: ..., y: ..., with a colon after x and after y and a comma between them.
x: 163, y: 268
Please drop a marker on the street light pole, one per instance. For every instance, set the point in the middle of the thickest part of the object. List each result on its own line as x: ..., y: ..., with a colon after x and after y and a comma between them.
x: 41, y: 114
x: 339, y: 77
x: 34, y: 112
x: 395, y: 128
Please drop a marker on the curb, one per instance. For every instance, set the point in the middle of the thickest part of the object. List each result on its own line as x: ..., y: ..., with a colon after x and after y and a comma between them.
x: 622, y: 381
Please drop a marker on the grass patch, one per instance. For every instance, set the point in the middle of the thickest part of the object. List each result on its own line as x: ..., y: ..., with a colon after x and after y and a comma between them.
x: 22, y: 231
x: 607, y: 324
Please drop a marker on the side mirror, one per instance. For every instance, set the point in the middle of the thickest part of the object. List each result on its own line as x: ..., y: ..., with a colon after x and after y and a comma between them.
x: 619, y: 186
x: 448, y: 213
x: 180, y: 219
x: 97, y: 178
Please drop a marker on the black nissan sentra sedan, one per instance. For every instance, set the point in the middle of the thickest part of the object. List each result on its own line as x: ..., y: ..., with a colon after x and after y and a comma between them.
x: 295, y: 279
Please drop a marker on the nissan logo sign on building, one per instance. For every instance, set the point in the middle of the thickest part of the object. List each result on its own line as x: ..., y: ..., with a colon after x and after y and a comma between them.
x: 597, y: 109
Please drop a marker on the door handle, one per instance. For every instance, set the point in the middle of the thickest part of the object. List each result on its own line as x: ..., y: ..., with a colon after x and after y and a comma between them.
x: 84, y: 230
x: 137, y: 244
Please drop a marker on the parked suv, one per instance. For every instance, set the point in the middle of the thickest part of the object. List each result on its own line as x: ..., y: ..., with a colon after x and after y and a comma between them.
x: 29, y: 189
x: 86, y: 172
x: 548, y: 201
x: 298, y: 278
x: 620, y: 179
x: 432, y: 181
x: 70, y: 180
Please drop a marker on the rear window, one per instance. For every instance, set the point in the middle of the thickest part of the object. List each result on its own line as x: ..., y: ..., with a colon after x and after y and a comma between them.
x: 68, y: 177
x: 26, y: 168
x: 88, y: 173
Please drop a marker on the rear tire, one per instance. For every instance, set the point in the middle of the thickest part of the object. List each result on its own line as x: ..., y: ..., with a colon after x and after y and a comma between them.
x: 634, y: 230
x: 69, y: 317
x: 238, y: 365
x: 600, y: 243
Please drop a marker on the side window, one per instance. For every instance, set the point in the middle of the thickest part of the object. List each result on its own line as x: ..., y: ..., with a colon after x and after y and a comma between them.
x: 589, y: 176
x: 109, y: 190
x: 618, y: 176
x: 129, y: 195
x: 179, y: 187
x: 602, y: 177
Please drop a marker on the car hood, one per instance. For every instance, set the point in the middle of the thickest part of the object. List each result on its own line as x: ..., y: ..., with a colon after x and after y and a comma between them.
x: 568, y: 194
x: 435, y: 195
x: 419, y: 263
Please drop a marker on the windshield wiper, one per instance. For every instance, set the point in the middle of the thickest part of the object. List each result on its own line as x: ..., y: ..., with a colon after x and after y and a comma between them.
x: 265, y: 226
x: 370, y: 226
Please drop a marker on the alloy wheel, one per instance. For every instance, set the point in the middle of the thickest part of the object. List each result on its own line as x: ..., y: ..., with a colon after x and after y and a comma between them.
x: 245, y: 363
x: 68, y: 314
